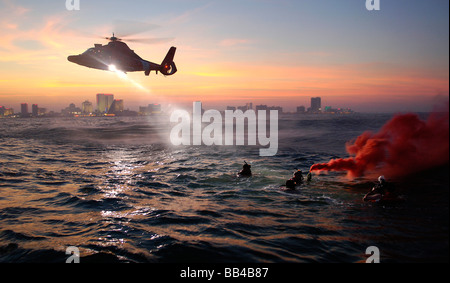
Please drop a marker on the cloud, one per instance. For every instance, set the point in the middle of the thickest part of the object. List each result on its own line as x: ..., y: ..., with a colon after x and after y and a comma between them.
x: 47, y: 39
x: 188, y: 15
x: 10, y: 13
x: 29, y: 44
x: 229, y: 42
x: 12, y: 9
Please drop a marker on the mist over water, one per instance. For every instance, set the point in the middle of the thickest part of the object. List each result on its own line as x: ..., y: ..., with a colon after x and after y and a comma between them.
x: 119, y: 191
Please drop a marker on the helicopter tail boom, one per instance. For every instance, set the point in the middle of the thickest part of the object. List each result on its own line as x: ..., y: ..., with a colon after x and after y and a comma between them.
x: 166, y: 68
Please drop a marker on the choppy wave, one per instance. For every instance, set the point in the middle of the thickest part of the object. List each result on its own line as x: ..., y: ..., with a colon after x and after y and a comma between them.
x: 118, y: 191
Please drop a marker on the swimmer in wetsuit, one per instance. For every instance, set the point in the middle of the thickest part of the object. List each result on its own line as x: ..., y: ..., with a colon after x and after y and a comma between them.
x: 246, y: 171
x: 296, y: 180
x: 298, y: 177
x: 309, y: 176
x: 381, y: 190
x: 290, y: 184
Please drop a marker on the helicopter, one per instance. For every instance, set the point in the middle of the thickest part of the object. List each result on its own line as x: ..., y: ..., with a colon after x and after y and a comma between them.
x: 117, y: 56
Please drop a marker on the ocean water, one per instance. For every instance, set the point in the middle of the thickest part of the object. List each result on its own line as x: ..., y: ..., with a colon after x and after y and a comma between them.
x: 116, y: 189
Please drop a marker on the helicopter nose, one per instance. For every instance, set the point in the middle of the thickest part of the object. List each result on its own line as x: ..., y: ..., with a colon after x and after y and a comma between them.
x: 72, y: 58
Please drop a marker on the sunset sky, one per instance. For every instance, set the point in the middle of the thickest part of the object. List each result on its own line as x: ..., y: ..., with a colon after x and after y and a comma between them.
x: 230, y: 52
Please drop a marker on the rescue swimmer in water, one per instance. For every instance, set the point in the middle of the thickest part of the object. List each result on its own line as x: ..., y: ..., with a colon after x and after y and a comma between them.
x: 246, y: 170
x: 382, y: 191
x: 297, y: 179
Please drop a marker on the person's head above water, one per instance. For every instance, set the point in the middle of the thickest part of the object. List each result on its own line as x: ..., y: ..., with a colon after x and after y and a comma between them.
x: 290, y: 184
x: 246, y: 170
x: 298, y: 175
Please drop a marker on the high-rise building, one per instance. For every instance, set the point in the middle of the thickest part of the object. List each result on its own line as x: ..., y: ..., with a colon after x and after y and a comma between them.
x: 119, y: 105
x: 261, y: 107
x: 35, y: 110
x: 87, y: 108
x: 154, y: 108
x: 7, y: 111
x: 316, y: 104
x: 143, y: 110
x: 42, y: 111
x: 116, y: 106
x: 72, y: 110
x: 277, y: 108
x: 24, y: 109
x: 104, y: 101
x: 300, y: 109
x: 247, y: 106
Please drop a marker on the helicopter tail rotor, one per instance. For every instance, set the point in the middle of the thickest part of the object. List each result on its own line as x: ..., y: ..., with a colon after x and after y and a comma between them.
x: 168, y: 67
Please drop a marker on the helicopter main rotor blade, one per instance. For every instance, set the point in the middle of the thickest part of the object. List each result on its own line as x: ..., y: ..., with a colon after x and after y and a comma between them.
x: 124, y: 28
x: 150, y: 40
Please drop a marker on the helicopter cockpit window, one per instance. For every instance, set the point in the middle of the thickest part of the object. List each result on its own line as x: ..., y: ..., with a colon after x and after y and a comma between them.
x: 89, y: 51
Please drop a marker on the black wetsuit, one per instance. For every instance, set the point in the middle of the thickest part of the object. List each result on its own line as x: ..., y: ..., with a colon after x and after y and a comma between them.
x: 290, y: 184
x: 382, y: 188
x: 246, y: 172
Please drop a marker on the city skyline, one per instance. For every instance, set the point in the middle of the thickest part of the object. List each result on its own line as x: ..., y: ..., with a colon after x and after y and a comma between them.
x: 391, y: 60
x: 107, y: 104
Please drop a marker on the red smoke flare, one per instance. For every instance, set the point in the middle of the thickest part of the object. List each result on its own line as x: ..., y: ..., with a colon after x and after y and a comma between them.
x: 404, y: 145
